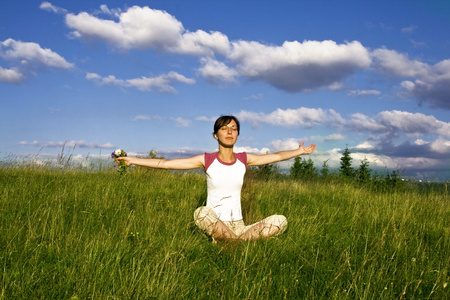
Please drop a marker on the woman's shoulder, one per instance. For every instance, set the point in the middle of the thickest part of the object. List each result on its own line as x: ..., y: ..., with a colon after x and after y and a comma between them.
x: 209, y: 158
x: 242, y: 157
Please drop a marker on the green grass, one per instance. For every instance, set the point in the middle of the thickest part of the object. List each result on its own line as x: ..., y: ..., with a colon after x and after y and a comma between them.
x: 96, y: 235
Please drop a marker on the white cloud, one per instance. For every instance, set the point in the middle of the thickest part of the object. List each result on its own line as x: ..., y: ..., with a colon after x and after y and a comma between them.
x: 251, y: 150
x: 420, y: 142
x: 377, y: 162
x: 216, y: 72
x: 202, y: 43
x: 141, y: 118
x: 11, y: 75
x: 182, y: 122
x: 292, y: 67
x: 440, y: 145
x: 328, y: 138
x: 25, y: 143
x: 432, y: 88
x: 395, y: 121
x: 32, y: 53
x: 68, y: 144
x: 138, y: 27
x: 302, y: 116
x: 334, y: 137
x: 357, y: 93
x: 365, y: 146
x: 360, y: 122
x: 109, y: 80
x: 394, y: 63
x: 286, y: 144
x: 254, y: 97
x: 50, y: 7
x: 163, y: 82
x: 409, y: 123
x: 409, y: 29
x: 430, y: 84
x: 111, y: 12
x: 417, y: 44
x: 204, y: 118
x: 146, y: 28
x: 296, y: 66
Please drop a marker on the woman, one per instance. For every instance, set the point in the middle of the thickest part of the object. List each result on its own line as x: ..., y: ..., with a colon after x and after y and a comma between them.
x: 221, y: 218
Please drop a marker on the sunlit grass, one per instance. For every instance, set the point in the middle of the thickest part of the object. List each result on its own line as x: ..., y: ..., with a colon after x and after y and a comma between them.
x: 97, y: 235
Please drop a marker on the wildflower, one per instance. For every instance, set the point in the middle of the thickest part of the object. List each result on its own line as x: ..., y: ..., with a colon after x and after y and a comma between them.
x: 122, y: 164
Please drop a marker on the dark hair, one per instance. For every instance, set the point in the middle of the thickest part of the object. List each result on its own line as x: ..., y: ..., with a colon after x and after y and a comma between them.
x: 224, y: 121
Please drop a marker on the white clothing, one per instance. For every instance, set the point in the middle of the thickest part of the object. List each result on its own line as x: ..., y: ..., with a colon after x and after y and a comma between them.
x: 224, y: 184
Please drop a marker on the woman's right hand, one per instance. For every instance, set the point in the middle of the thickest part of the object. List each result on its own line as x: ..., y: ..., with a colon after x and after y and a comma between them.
x: 124, y: 158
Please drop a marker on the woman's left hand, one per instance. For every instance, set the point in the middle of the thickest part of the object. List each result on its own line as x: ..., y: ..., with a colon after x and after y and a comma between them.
x: 307, y: 150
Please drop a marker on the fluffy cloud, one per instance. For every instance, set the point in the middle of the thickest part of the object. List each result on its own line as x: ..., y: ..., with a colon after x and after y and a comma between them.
x: 138, y: 27
x: 386, y: 122
x: 163, y: 82
x: 50, y: 7
x: 216, y: 72
x: 32, y: 54
x: 292, y: 67
x: 394, y: 63
x: 389, y: 144
x: 252, y: 150
x: 286, y: 144
x: 202, y: 43
x: 146, y: 28
x: 411, y: 124
x: 434, y: 88
x: 27, y: 58
x: 430, y: 84
x: 11, y: 75
x: 296, y: 66
x: 302, y: 116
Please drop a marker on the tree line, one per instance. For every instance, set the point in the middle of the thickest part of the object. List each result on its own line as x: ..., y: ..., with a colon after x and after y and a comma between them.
x: 304, y: 169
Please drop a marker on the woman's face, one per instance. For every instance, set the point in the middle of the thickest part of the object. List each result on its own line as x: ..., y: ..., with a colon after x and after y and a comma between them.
x: 227, y: 135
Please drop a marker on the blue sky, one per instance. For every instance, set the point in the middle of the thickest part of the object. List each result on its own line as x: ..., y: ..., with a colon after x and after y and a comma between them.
x: 142, y: 75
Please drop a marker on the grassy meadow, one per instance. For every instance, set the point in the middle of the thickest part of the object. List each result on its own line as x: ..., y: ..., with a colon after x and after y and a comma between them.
x: 74, y: 234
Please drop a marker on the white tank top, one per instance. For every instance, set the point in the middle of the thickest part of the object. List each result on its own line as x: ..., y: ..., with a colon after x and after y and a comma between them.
x: 224, y: 184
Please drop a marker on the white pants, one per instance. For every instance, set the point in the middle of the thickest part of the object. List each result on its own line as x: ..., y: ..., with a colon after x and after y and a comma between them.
x: 206, y: 218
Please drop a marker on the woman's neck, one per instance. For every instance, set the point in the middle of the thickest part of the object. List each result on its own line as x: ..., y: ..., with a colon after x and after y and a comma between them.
x: 226, y: 154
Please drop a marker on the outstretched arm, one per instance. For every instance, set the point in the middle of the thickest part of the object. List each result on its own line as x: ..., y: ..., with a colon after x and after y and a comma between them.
x: 257, y: 160
x: 171, y: 164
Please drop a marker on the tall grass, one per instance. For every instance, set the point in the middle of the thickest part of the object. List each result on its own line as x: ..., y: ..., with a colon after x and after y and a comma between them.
x: 96, y: 235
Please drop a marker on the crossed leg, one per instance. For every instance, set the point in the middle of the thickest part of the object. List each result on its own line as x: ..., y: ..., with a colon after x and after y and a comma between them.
x: 260, y: 230
x: 207, y: 220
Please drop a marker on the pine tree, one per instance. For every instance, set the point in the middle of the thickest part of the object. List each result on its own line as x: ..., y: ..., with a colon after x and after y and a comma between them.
x: 363, y: 172
x: 303, y: 168
x: 325, y: 169
x: 346, y: 164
